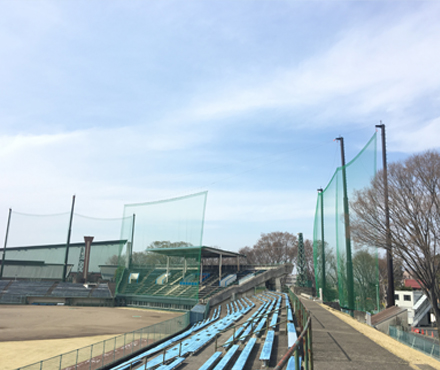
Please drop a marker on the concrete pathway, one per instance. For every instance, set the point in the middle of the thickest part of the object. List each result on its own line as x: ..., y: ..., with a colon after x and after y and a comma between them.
x: 336, y: 345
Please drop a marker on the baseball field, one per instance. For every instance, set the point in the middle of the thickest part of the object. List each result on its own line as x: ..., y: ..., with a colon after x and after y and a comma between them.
x: 30, y: 334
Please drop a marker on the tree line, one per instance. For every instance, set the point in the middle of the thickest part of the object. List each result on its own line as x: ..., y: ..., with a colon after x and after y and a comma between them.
x: 414, y: 214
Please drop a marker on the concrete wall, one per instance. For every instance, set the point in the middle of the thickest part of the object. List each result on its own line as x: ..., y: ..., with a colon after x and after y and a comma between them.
x: 398, y: 320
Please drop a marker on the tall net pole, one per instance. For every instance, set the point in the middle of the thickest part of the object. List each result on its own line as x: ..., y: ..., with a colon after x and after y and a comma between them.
x: 390, y: 272
x: 350, y: 284
x: 323, y: 282
x: 302, y: 276
x: 6, y: 242
x: 66, y: 257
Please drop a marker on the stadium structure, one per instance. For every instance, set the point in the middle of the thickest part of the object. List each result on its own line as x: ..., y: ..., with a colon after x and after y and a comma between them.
x: 158, y: 261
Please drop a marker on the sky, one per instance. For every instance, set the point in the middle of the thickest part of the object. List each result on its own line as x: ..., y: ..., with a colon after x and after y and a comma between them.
x: 124, y: 102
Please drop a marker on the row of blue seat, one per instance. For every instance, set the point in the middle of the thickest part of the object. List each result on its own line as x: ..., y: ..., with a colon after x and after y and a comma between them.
x: 203, y: 337
x: 174, y: 356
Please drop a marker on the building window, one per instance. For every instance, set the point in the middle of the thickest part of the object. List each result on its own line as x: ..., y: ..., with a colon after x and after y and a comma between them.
x: 407, y: 297
x: 396, y: 297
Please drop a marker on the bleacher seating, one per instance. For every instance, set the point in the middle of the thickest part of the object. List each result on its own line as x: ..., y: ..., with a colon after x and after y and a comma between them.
x: 101, y: 291
x: 16, y: 291
x: 244, y: 355
x: 211, y: 361
x: 238, y: 348
x: 227, y: 358
x: 291, y: 334
x: 3, y: 284
x: 291, y: 364
x: 267, y: 347
x: 70, y: 290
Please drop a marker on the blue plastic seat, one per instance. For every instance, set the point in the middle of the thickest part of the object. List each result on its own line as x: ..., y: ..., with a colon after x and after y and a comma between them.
x: 291, y: 334
x: 211, y: 361
x: 291, y: 364
x: 226, y: 358
x: 244, y: 355
x: 267, y: 347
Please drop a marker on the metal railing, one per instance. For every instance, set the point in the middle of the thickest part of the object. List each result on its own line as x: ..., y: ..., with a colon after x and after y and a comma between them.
x: 104, y: 353
x: 429, y: 346
x: 303, y: 345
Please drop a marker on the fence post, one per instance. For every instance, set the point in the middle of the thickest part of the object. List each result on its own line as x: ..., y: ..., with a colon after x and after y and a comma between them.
x: 296, y: 358
x: 311, y: 345
x: 76, y: 361
x: 103, y: 353
x: 91, y: 354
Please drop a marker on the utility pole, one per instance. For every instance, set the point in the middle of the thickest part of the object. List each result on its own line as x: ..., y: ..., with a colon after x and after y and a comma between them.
x: 350, y: 287
x: 390, y: 272
x: 323, y: 282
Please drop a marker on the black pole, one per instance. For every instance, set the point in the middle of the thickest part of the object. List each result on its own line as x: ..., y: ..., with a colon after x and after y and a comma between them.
x: 132, y: 241
x: 390, y: 272
x: 323, y: 282
x: 6, y: 242
x: 66, y: 257
x: 350, y: 284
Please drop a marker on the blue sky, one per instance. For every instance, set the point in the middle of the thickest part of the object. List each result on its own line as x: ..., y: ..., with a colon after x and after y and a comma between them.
x: 123, y: 102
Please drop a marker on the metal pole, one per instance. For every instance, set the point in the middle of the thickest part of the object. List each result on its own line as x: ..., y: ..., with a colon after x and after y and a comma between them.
x: 6, y: 242
x: 350, y: 287
x: 132, y: 241
x: 66, y: 257
x: 390, y: 288
x: 323, y: 282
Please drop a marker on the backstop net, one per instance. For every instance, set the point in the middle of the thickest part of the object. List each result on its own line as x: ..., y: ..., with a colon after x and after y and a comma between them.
x: 161, y: 261
x: 345, y: 271
x: 38, y: 245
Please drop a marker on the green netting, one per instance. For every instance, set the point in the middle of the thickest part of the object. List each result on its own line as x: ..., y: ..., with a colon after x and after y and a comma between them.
x: 346, y: 272
x: 175, y: 223
x: 37, y: 244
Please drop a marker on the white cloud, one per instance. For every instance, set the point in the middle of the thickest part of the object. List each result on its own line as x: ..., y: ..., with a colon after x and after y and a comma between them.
x: 376, y: 68
x: 417, y: 138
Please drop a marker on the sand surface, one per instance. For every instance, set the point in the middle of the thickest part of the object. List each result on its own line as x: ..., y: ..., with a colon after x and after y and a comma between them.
x: 30, y: 334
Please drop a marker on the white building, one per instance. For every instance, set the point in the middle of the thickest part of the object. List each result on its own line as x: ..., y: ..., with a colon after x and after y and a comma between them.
x: 418, y: 306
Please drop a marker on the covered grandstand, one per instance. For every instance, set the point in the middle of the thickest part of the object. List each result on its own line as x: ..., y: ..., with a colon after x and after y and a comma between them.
x: 180, y: 277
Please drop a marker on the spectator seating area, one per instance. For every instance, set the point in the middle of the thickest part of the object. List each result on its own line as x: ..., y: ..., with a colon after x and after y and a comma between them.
x: 176, y: 285
x: 15, y: 292
x: 236, y: 352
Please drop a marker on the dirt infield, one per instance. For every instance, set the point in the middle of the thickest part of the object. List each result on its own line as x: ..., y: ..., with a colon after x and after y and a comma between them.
x: 18, y: 323
x: 41, y: 332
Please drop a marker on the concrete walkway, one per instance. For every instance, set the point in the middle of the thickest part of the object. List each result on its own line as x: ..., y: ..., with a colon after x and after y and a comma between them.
x: 336, y: 345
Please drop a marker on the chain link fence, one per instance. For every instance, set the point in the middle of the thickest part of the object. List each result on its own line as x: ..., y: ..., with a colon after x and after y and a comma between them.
x: 104, y: 353
x: 429, y: 346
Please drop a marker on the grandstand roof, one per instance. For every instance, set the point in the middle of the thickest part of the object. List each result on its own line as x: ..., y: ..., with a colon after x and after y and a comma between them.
x: 206, y: 252
x: 63, y: 245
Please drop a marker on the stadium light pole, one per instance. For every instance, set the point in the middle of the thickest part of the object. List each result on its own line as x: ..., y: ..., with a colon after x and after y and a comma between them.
x: 390, y: 272
x: 323, y: 282
x: 6, y: 242
x: 347, y: 232
x: 66, y: 257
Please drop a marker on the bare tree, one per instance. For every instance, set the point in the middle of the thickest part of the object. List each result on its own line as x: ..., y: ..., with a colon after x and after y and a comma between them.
x: 272, y: 248
x: 414, y: 202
